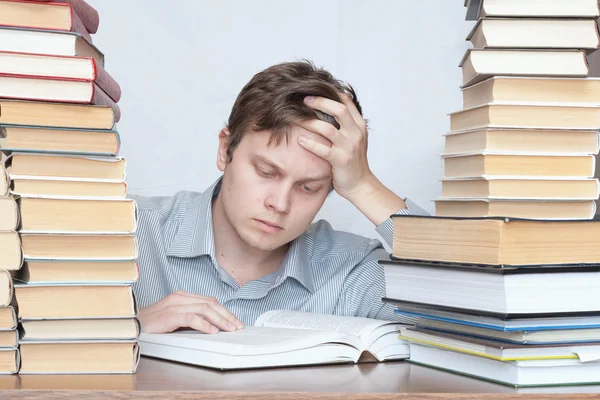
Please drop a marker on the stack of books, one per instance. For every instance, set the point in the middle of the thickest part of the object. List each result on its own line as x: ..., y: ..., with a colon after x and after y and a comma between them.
x: 504, y: 282
x: 68, y: 229
x: 523, y: 145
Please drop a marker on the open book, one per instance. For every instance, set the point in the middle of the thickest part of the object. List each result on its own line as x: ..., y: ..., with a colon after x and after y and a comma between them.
x: 283, y: 338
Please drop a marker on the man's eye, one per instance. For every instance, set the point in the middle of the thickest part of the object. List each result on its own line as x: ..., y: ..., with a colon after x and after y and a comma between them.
x: 308, y: 189
x: 264, y: 173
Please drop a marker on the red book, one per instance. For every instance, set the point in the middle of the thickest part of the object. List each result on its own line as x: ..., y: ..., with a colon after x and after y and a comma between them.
x: 59, y: 68
x: 88, y: 14
x: 55, y: 91
x: 41, y: 15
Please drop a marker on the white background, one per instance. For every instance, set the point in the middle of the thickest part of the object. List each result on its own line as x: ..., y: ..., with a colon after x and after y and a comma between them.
x: 182, y: 63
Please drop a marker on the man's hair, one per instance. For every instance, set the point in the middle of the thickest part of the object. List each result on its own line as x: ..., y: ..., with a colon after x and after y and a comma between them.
x: 274, y: 100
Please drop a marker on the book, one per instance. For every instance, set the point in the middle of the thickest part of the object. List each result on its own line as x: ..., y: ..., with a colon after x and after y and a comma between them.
x: 522, y: 141
x: 84, y: 69
x: 9, y: 360
x: 9, y: 338
x: 521, y: 208
x: 60, y: 115
x: 39, y: 139
x: 10, y: 248
x: 498, y: 350
x: 79, y: 357
x: 509, y: 188
x: 88, y: 14
x: 43, y: 41
x: 77, y: 216
x: 32, y: 186
x: 282, y: 338
x: 526, y: 115
x: 455, y: 319
x: 78, y: 271
x: 530, y: 33
x: 495, y: 240
x: 55, y: 90
x: 8, y: 318
x: 499, y: 89
x: 490, y: 163
x: 66, y: 167
x: 532, y: 8
x: 6, y: 288
x: 480, y: 64
x: 80, y: 329
x: 514, y: 373
x: 4, y: 182
x: 74, y: 247
x: 9, y: 214
x: 72, y: 301
x: 539, y: 336
x: 51, y: 16
x: 527, y: 290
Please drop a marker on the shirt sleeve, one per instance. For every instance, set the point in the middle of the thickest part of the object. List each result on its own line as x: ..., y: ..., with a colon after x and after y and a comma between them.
x: 386, y: 228
x: 364, y: 289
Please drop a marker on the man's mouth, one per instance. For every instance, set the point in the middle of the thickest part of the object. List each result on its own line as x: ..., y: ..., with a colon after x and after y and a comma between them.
x: 268, y: 226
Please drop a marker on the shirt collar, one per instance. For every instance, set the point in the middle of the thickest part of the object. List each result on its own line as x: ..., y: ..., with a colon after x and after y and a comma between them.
x: 194, y: 238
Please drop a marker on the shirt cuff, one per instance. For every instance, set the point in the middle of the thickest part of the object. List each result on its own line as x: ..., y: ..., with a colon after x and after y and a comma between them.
x: 386, y: 228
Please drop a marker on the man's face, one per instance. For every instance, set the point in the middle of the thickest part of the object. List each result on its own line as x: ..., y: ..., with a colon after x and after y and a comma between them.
x: 270, y: 195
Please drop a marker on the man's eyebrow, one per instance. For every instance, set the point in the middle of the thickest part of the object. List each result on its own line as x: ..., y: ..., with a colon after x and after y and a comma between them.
x: 276, y: 167
x: 268, y: 163
x: 318, y: 178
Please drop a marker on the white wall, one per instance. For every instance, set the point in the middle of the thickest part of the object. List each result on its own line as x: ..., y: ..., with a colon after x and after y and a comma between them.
x: 181, y: 64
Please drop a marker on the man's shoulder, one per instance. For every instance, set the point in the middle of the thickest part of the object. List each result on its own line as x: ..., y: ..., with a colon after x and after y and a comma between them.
x: 327, y: 241
x: 172, y: 206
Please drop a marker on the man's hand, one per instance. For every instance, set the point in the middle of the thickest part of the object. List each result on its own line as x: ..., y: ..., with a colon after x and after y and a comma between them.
x: 348, y: 152
x: 186, y: 310
x: 352, y: 177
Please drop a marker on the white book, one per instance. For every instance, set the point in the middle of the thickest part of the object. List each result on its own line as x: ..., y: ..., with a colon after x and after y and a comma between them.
x: 283, y: 338
x: 513, y: 373
x: 531, y: 8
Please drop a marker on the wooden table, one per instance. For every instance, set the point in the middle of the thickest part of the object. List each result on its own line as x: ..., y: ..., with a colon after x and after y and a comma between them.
x: 165, y: 380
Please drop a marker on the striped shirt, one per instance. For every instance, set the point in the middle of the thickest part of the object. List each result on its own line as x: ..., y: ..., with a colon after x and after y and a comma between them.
x: 324, y: 270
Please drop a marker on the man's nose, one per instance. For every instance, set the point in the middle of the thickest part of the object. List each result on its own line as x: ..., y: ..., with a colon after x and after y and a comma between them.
x: 279, y: 199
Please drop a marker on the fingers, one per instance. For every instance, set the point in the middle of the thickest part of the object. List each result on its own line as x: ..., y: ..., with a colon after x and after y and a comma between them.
x: 223, y: 312
x: 322, y: 128
x: 173, y: 321
x: 358, y: 119
x: 338, y: 110
x: 181, y: 309
x: 210, y: 313
x: 325, y: 152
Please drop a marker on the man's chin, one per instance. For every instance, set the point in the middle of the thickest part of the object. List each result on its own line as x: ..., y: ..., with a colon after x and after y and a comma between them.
x: 263, y: 243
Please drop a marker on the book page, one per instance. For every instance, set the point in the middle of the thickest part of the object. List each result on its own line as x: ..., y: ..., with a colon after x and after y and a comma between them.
x: 361, y: 327
x: 251, y: 340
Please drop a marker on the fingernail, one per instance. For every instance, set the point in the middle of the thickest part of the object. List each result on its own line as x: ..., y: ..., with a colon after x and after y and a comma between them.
x: 303, y: 139
x: 231, y: 326
x: 309, y: 99
x: 239, y: 325
x: 214, y: 329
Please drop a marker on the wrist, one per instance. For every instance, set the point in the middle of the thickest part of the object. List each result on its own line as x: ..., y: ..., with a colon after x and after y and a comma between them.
x: 368, y: 186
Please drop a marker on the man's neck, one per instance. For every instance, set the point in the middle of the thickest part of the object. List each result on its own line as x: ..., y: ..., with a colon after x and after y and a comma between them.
x: 241, y: 261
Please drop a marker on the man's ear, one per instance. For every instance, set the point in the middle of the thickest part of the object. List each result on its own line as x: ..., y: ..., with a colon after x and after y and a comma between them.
x: 222, y: 153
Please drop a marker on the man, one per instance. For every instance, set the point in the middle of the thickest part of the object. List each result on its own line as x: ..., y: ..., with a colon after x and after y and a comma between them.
x: 216, y: 260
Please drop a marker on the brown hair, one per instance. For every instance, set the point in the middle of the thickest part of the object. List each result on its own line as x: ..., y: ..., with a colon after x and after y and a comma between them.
x: 273, y: 100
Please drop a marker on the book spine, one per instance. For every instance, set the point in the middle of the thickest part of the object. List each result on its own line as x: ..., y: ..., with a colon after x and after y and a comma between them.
x: 106, y: 82
x: 78, y: 27
x: 88, y: 15
x: 100, y: 98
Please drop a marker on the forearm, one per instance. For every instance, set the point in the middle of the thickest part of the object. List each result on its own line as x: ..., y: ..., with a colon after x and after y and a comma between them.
x: 375, y: 201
